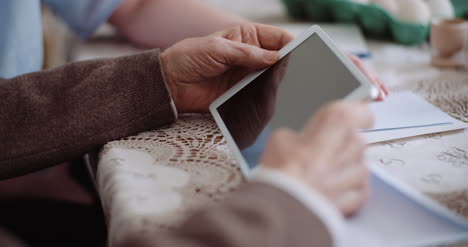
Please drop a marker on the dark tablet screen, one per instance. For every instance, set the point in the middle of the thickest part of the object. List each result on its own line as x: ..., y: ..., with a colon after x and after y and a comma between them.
x: 285, y: 95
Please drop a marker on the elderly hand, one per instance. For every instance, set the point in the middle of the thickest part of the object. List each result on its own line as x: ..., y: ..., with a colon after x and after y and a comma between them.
x: 328, y: 155
x: 199, y: 70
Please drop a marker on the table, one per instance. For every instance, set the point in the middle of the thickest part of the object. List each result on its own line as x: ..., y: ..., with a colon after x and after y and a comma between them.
x: 151, y: 182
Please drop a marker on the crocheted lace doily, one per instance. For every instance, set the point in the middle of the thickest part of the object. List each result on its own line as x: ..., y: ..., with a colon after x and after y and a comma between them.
x: 448, y: 91
x: 155, y: 180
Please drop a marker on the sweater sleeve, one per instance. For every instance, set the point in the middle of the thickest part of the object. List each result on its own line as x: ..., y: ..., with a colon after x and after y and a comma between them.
x: 52, y: 116
x: 257, y: 214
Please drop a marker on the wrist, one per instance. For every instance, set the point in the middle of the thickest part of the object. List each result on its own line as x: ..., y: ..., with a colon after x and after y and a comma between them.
x: 169, y: 80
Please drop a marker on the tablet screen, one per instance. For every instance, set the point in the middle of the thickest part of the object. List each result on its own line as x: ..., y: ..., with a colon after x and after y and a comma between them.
x: 285, y: 95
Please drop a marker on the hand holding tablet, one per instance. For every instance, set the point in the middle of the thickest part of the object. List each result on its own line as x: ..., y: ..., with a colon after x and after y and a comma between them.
x: 199, y: 70
x: 310, y: 73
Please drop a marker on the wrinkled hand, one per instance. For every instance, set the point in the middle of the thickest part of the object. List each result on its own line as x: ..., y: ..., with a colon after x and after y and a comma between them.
x: 198, y: 70
x: 328, y: 155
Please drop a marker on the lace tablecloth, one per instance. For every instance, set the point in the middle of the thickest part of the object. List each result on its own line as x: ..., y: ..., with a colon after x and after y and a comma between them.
x: 152, y: 182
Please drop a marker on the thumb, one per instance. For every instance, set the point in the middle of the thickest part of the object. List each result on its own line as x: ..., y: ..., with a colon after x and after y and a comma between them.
x: 245, y: 55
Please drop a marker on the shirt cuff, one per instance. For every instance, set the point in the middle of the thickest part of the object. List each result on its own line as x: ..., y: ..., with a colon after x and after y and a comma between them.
x: 310, y: 198
x: 173, y: 106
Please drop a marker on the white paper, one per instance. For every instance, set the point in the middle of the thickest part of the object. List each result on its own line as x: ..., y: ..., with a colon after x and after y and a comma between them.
x: 391, y: 219
x: 430, y: 170
x: 397, y: 214
x: 406, y: 114
x: 386, y: 135
x: 407, y: 110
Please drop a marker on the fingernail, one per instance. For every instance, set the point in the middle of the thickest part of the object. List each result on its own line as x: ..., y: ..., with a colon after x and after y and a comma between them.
x: 382, y: 95
x: 271, y: 56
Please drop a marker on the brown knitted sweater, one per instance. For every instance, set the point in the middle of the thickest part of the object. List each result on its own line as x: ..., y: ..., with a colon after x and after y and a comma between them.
x: 53, y: 116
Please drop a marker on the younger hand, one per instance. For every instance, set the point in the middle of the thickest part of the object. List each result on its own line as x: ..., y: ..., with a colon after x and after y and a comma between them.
x: 383, y: 89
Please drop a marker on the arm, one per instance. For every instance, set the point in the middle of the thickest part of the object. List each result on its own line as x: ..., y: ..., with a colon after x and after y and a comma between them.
x: 56, y: 115
x: 53, y: 116
x: 255, y: 215
x: 160, y: 23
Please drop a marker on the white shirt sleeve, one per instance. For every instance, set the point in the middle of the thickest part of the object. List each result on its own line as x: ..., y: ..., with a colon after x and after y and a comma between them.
x: 313, y: 200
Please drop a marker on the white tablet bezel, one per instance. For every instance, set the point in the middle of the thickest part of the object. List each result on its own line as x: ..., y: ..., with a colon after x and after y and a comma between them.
x: 363, y: 92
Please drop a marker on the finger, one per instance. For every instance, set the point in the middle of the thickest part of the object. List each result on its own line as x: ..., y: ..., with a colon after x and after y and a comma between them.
x: 244, y: 33
x: 365, y: 69
x: 358, y: 115
x: 351, y: 201
x: 353, y: 191
x: 370, y: 75
x: 335, y: 120
x: 352, y: 150
x: 244, y: 55
x: 329, y: 144
x: 332, y: 125
x: 271, y: 37
x: 282, y: 140
x: 350, y: 176
x: 260, y: 35
x: 383, y: 90
x: 384, y: 87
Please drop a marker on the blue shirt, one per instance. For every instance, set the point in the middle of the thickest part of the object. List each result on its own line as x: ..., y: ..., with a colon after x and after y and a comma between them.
x: 21, y: 47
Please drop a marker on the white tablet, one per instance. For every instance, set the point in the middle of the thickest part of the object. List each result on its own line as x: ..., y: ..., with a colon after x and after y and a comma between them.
x: 310, y: 73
